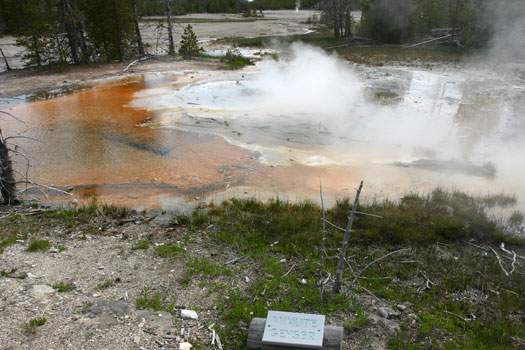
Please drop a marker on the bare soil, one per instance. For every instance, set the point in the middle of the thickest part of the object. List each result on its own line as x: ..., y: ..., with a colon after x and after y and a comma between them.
x: 106, y: 275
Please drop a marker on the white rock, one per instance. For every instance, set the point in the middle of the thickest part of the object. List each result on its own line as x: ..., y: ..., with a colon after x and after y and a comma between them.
x: 189, y: 314
x: 383, y: 312
x: 401, y: 307
x: 42, y: 290
x: 303, y: 281
x: 247, y: 279
x: 185, y: 346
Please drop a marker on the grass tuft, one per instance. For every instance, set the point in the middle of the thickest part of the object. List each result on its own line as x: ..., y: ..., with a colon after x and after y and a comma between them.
x: 31, y: 325
x: 38, y: 245
x: 141, y: 244
x: 61, y: 287
x: 170, y: 251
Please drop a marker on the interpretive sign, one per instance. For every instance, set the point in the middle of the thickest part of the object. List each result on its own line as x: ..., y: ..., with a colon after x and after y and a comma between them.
x: 294, y: 329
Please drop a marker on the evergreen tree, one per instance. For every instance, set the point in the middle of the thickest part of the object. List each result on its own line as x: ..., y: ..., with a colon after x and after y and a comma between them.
x: 110, y: 26
x: 37, y: 27
x: 189, y: 47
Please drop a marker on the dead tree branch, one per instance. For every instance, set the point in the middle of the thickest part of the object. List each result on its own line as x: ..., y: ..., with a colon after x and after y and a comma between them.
x: 323, y: 240
x: 459, y: 316
x: 342, y: 254
x: 500, y: 262
x: 356, y: 277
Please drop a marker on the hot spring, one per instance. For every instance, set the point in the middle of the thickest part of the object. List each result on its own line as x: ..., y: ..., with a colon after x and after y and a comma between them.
x: 278, y: 128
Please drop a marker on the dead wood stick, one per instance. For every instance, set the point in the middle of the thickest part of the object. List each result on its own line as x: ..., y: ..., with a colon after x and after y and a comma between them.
x: 133, y: 63
x: 376, y: 261
x: 342, y: 254
x: 321, y: 265
x: 458, y: 316
x: 5, y: 59
x: 286, y: 274
x: 375, y: 216
x: 428, y: 41
x: 500, y: 262
x: 333, y: 225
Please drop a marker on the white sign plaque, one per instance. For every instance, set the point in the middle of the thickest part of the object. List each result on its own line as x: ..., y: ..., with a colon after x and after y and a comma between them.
x: 294, y: 329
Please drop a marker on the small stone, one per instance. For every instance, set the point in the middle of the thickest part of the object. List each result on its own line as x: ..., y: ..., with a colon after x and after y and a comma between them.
x: 401, y: 307
x: 246, y: 279
x: 282, y: 260
x: 189, y: 314
x: 136, y: 339
x: 53, y: 250
x: 383, y: 312
x: 194, y: 179
x: 303, y: 281
x: 42, y: 290
x: 185, y: 346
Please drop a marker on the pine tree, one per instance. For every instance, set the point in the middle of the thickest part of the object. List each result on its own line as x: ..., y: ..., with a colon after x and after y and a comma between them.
x: 189, y: 47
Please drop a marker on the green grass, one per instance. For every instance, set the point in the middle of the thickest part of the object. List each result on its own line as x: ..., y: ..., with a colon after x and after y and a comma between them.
x: 31, y: 325
x: 235, y: 60
x: 205, y: 270
x: 8, y: 240
x: 8, y: 274
x: 82, y: 214
x: 38, y: 245
x: 104, y: 285
x: 153, y: 301
x: 141, y: 244
x: 61, y: 287
x: 170, y: 251
x: 434, y: 226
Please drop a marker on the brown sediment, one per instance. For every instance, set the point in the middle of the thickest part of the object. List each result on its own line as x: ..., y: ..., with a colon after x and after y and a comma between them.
x: 90, y: 137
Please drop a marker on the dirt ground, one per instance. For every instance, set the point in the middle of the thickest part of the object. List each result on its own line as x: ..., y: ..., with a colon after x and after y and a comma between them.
x: 107, y: 275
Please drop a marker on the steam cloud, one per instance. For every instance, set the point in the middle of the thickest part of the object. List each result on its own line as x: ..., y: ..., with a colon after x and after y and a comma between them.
x: 507, y: 20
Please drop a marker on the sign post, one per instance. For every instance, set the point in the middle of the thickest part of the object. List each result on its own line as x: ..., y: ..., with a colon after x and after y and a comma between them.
x: 290, y: 331
x: 294, y: 329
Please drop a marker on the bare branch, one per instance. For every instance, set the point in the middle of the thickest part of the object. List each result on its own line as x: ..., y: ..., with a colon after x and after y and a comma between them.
x: 333, y: 225
x: 460, y: 317
x: 356, y: 277
x: 286, y: 274
x: 376, y: 216
x: 500, y: 262
x: 323, y: 218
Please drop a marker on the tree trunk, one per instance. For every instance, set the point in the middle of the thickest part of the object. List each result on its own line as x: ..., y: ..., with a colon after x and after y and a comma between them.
x: 171, y: 50
x: 336, y: 18
x: 36, y: 49
x: 7, y: 177
x: 119, y: 34
x: 348, y: 20
x: 454, y: 24
x: 137, y: 28
x: 70, y: 30
x: 5, y: 59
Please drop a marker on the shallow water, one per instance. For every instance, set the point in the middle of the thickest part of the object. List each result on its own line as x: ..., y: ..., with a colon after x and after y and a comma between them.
x: 158, y: 141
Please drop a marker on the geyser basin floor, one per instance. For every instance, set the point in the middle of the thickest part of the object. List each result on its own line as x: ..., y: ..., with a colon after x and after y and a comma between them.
x: 276, y: 129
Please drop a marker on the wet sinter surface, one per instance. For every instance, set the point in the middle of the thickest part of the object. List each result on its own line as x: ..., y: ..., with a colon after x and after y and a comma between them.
x: 277, y: 128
